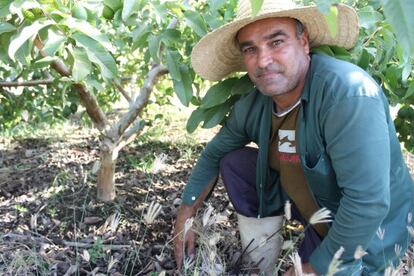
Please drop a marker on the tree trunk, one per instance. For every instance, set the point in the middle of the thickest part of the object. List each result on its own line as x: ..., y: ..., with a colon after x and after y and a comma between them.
x: 106, y: 175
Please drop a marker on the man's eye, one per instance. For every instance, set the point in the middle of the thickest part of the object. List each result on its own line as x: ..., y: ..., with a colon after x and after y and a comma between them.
x: 248, y: 50
x: 277, y: 42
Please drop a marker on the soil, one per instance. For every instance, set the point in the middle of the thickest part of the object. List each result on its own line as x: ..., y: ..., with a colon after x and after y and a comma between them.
x: 52, y: 224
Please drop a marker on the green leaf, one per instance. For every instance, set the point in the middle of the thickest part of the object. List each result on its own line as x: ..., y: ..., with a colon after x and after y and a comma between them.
x: 196, y: 117
x: 363, y: 60
x: 256, y: 6
x: 171, y: 35
x: 368, y: 17
x: 27, y: 33
x: 154, y: 45
x: 4, y: 8
x: 242, y: 86
x: 216, y: 115
x: 89, y: 30
x: 140, y: 34
x: 341, y: 53
x: 98, y: 54
x: 324, y: 49
x: 43, y: 62
x: 410, y: 91
x: 216, y: 4
x: 218, y: 93
x: 53, y: 43
x: 173, y: 59
x: 130, y: 6
x: 113, y: 4
x: 196, y: 22
x: 81, y: 66
x: 160, y: 10
x: 400, y: 15
x: 184, y: 88
x: 6, y: 27
x: 332, y: 20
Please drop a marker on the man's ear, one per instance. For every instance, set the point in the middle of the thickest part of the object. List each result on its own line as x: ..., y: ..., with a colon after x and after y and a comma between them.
x: 304, y: 41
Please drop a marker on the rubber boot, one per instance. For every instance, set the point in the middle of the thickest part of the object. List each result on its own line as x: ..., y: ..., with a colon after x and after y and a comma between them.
x: 266, y: 241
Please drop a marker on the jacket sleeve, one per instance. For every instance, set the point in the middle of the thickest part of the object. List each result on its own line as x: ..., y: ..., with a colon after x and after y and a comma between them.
x: 355, y: 129
x: 230, y: 137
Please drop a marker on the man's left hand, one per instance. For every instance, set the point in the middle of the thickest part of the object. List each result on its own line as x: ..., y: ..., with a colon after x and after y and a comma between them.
x: 306, y: 269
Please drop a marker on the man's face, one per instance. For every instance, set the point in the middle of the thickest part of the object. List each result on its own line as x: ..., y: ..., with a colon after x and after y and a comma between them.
x: 276, y: 59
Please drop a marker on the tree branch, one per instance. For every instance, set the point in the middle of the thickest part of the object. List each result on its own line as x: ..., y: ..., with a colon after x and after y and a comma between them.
x: 123, y: 92
x: 25, y: 83
x: 141, y: 100
x: 88, y: 99
x: 130, y: 134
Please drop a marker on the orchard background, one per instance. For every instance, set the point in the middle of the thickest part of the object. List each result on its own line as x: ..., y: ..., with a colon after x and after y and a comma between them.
x: 99, y: 94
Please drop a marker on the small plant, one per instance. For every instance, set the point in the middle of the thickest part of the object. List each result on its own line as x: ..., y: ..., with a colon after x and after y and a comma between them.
x: 20, y: 208
x: 97, y: 250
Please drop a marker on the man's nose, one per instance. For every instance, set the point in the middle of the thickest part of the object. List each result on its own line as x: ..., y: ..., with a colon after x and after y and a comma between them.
x: 264, y: 58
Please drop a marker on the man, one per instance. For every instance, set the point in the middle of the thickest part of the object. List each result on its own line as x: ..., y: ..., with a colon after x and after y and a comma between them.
x: 325, y: 138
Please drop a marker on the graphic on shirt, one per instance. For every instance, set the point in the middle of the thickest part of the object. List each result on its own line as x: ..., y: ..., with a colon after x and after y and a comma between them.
x: 287, y: 141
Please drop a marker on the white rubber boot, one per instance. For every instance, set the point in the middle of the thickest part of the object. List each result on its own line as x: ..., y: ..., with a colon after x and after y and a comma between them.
x: 262, y: 246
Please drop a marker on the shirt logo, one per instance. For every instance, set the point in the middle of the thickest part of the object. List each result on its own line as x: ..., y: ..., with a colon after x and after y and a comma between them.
x: 287, y: 141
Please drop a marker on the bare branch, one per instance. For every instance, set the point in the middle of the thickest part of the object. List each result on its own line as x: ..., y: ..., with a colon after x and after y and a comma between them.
x: 89, y: 245
x: 88, y: 99
x: 141, y: 100
x: 25, y: 83
x: 123, y: 92
x: 130, y: 134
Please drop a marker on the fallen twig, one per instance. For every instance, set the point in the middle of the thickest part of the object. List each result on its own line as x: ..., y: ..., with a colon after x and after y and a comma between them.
x: 89, y: 245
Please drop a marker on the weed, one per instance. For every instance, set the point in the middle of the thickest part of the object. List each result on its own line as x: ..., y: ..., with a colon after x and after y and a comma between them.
x: 97, y: 250
x: 20, y: 208
x: 23, y: 261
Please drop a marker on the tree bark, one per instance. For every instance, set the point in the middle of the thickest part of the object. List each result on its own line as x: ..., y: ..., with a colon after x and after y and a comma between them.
x: 106, y: 174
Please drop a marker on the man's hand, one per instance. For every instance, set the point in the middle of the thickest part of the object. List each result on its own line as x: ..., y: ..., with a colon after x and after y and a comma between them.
x: 306, y: 269
x: 183, y: 245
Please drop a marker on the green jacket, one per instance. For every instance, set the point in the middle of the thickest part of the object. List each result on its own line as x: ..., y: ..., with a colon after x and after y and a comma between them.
x: 350, y: 155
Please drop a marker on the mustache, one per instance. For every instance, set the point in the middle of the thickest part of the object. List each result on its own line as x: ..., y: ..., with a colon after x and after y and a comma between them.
x: 271, y: 68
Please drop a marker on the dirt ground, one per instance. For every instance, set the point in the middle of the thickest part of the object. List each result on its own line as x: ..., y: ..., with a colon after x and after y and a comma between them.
x: 52, y: 224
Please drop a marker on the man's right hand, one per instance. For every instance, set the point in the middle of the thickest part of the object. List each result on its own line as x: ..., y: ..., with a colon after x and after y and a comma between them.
x: 183, y: 246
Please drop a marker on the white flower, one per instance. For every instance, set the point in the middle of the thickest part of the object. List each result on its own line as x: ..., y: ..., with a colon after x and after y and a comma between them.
x: 85, y: 255
x: 33, y: 221
x: 321, y: 216
x: 159, y: 163
x: 410, y: 230
x: 339, y: 253
x: 114, y: 220
x: 112, y: 262
x: 206, y: 216
x: 380, y: 233
x: 187, y: 225
x: 335, y: 263
x: 297, y: 262
x: 288, y: 211
x: 153, y: 211
x: 397, y: 249
x: 390, y: 271
x: 359, y: 252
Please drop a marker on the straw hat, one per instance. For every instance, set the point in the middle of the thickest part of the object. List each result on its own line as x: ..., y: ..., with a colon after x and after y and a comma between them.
x: 216, y: 55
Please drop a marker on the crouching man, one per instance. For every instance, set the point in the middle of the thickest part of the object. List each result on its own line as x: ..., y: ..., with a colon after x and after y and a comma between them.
x: 325, y: 139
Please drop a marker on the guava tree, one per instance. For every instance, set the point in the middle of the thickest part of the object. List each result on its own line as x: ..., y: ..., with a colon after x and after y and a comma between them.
x: 58, y: 54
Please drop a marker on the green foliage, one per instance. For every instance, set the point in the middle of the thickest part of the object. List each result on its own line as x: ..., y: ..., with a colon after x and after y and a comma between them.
x: 256, y: 6
x: 104, y: 42
x: 380, y: 51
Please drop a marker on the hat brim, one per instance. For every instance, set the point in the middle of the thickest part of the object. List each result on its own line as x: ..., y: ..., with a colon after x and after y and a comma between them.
x: 217, y: 55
